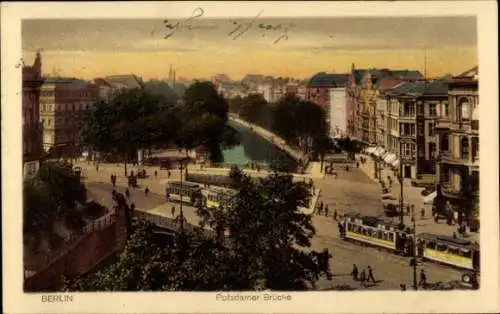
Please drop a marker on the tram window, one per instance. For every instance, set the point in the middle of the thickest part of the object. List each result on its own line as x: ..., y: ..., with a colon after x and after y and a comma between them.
x: 385, y: 236
x: 465, y: 253
x: 453, y: 250
x: 441, y: 247
x: 379, y: 234
x: 431, y: 245
x: 391, y: 237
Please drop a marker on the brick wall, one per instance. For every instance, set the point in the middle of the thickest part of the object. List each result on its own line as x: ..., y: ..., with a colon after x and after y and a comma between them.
x: 96, y: 245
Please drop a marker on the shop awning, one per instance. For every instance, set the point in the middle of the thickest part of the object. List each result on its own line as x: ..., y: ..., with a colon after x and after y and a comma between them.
x: 379, y: 151
x: 395, y: 163
x: 430, y: 198
x: 390, y: 158
x: 370, y: 150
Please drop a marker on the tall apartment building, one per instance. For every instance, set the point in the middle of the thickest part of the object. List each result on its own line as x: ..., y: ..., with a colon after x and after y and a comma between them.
x: 458, y: 138
x: 63, y: 102
x: 32, y: 130
x: 328, y: 91
x: 362, y: 97
x: 411, y: 114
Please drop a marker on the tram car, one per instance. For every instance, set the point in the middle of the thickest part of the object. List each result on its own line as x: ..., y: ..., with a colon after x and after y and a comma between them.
x: 374, y: 231
x: 448, y: 250
x: 214, y: 197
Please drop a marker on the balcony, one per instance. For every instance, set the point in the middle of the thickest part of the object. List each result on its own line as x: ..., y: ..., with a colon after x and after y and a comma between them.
x: 443, y: 124
x: 448, y: 158
x: 450, y: 192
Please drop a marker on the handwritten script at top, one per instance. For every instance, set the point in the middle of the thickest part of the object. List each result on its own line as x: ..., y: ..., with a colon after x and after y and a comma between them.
x: 197, y: 13
x: 279, y: 27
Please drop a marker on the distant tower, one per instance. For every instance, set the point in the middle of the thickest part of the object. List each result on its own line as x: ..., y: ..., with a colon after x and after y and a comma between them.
x: 352, y: 67
x: 170, y: 74
x: 425, y: 63
x: 173, y: 79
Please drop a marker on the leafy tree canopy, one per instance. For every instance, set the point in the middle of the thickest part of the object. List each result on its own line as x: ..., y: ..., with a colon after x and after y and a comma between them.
x: 267, y: 246
x: 53, y: 195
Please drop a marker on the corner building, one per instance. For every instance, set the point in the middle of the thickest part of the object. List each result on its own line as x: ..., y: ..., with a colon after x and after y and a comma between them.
x: 32, y: 129
x: 458, y: 138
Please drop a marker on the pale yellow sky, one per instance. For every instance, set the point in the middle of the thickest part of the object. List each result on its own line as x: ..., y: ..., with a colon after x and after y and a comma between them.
x: 92, y: 48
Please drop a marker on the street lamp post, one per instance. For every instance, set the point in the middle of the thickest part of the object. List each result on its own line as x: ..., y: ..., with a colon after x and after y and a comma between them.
x: 181, y: 215
x: 401, y: 215
x: 415, y: 248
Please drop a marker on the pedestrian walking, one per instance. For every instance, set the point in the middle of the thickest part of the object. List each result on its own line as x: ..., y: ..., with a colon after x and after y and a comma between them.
x: 146, y: 191
x: 156, y: 173
x: 168, y: 174
x: 423, y: 279
x: 408, y: 209
x: 97, y: 168
x: 326, y: 210
x: 320, y: 209
x: 413, y: 209
x: 132, y: 207
x: 362, y: 277
x: 127, y: 192
x: 111, y: 179
x: 422, y: 213
x: 173, y: 211
x: 335, y: 214
x: 354, y: 272
x: 370, y: 275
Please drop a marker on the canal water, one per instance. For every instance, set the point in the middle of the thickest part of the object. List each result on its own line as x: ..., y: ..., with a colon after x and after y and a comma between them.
x: 255, y: 149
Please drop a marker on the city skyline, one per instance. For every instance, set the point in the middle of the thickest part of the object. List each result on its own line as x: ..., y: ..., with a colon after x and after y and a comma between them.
x: 93, y: 48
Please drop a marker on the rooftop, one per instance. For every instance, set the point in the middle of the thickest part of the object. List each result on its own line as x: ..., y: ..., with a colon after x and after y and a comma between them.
x: 123, y: 81
x: 323, y: 79
x: 421, y: 88
x: 378, y: 74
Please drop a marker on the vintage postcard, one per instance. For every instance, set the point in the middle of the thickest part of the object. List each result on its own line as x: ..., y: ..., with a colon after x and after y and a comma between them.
x: 284, y: 157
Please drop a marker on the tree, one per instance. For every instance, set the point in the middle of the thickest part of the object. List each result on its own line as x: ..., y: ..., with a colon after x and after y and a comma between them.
x: 235, y: 104
x: 133, y: 119
x: 162, y: 88
x: 269, y: 237
x: 299, y: 121
x: 266, y: 247
x: 204, y: 116
x: 54, y: 195
x: 255, y: 109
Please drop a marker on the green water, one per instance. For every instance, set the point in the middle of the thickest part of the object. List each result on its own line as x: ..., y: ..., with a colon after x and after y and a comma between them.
x: 254, y: 149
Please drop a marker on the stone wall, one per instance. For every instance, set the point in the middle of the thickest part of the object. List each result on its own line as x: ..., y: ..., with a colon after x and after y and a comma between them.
x: 102, y: 238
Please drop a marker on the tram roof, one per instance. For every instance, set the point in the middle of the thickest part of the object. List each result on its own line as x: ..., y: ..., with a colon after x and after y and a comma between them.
x: 448, y: 239
x: 185, y: 183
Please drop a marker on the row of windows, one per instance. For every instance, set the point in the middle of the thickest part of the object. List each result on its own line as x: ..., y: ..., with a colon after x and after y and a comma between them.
x: 448, y: 249
x: 59, y: 122
x: 82, y: 94
x: 371, y: 232
x: 64, y: 107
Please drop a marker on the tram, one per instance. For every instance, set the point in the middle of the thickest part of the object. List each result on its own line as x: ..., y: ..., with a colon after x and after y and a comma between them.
x: 374, y: 231
x: 448, y: 250
x: 187, y: 192
x: 214, y: 197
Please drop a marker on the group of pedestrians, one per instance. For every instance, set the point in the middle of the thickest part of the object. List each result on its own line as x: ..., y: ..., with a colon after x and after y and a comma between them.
x: 324, y: 210
x: 363, y: 277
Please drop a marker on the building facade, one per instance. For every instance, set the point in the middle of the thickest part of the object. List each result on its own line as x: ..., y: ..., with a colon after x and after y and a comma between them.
x: 63, y: 102
x: 411, y: 114
x: 458, y: 138
x: 328, y: 91
x: 362, y: 97
x: 32, y: 129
